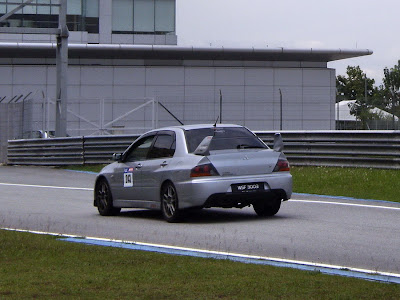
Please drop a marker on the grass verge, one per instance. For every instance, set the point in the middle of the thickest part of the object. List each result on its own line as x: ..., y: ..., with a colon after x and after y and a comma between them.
x: 36, y: 266
x: 362, y: 183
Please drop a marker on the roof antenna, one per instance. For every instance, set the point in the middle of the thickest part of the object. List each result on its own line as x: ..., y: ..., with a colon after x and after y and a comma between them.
x: 216, y: 121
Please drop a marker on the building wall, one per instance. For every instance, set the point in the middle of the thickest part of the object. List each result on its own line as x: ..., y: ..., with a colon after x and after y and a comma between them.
x: 190, y: 90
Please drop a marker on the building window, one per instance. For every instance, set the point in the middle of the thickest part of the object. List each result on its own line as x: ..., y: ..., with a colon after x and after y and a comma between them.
x: 143, y: 16
x: 82, y: 15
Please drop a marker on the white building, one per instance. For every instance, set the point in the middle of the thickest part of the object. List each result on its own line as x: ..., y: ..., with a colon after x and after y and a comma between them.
x: 124, y: 53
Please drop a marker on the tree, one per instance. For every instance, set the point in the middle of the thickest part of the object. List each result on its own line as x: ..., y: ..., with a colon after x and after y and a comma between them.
x: 353, y: 86
x: 357, y: 86
x: 390, y: 90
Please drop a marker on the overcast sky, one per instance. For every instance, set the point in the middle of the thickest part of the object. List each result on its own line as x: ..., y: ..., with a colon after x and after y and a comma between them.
x: 322, y: 24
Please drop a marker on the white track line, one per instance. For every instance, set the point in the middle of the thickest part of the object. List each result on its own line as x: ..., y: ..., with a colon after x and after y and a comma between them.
x: 46, y: 186
x: 346, y: 204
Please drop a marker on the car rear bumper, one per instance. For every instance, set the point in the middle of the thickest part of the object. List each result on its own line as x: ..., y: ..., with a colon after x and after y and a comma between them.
x: 217, y: 190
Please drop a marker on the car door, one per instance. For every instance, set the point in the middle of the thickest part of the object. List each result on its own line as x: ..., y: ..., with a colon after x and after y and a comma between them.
x: 157, y: 165
x: 128, y: 174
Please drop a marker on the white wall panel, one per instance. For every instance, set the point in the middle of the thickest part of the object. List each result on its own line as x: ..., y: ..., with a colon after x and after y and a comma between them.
x: 29, y: 75
x: 199, y: 76
x: 165, y: 76
x: 229, y: 76
x: 259, y: 93
x: 128, y: 91
x: 200, y: 93
x: 256, y: 76
x: 230, y: 94
x: 6, y: 75
x: 165, y: 91
x: 6, y: 91
x: 316, y: 77
x: 97, y: 75
x: 288, y: 77
x: 129, y: 76
x: 74, y: 92
x: 96, y: 91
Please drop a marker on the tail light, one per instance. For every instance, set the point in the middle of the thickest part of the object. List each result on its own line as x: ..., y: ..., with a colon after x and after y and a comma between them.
x: 282, y: 165
x: 203, y: 170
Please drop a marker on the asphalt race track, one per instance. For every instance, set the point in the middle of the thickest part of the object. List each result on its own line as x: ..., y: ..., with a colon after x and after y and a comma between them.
x: 336, y: 231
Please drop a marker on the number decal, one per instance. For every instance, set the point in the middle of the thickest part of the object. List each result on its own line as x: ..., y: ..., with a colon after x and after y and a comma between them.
x: 128, y: 177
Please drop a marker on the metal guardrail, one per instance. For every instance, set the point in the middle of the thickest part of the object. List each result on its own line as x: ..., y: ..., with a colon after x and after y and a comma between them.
x: 67, y: 151
x: 371, y: 149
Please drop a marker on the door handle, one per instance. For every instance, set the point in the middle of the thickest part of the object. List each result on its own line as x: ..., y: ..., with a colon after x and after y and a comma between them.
x: 164, y: 164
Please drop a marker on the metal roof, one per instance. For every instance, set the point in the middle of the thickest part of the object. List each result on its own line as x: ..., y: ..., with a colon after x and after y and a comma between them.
x: 122, y: 51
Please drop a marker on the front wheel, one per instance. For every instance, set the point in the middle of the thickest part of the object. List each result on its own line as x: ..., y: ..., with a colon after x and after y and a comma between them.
x: 265, y: 208
x: 169, y: 203
x: 104, y: 199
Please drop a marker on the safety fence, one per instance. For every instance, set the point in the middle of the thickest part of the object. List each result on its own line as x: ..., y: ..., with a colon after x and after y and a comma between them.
x: 371, y: 149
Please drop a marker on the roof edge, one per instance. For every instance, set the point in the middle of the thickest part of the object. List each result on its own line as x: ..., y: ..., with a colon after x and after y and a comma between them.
x: 18, y: 49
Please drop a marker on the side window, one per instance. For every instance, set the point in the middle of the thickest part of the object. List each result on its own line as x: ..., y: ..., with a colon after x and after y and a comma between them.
x: 164, y: 146
x: 140, y: 149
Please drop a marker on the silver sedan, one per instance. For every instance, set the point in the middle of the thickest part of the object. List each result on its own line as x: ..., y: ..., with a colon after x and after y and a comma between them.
x: 196, y: 166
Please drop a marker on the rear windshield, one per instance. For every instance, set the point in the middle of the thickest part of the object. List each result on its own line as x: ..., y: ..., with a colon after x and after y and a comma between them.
x: 223, y: 138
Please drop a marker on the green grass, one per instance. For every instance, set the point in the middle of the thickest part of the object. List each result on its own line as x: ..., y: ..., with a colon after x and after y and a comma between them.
x: 37, y: 266
x: 362, y: 183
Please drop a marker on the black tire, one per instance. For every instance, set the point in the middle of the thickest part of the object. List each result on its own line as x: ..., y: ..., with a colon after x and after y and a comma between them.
x: 104, y: 199
x: 265, y: 208
x: 169, y: 203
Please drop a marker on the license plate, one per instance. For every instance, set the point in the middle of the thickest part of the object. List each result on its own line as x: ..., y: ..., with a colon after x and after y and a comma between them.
x: 248, y: 187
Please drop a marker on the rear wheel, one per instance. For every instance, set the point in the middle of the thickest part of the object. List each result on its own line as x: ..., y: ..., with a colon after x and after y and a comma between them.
x: 104, y: 199
x: 169, y: 203
x: 265, y: 208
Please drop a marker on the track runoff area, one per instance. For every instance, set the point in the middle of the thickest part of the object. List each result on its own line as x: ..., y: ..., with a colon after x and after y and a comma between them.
x: 249, y: 259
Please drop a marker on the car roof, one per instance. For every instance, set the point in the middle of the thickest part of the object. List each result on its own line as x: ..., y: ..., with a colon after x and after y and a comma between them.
x: 199, y: 126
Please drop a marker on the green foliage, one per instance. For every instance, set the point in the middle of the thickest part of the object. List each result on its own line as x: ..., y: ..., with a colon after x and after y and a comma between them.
x: 41, y: 267
x: 357, y: 86
x: 352, y: 86
x: 390, y: 90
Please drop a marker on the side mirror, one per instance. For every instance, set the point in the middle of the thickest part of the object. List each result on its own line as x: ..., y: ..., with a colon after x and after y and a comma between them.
x: 202, y: 148
x: 117, y: 157
x: 278, y: 142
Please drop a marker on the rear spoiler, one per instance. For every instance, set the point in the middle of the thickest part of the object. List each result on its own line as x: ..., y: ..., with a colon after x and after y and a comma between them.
x: 278, y: 142
x: 202, y: 148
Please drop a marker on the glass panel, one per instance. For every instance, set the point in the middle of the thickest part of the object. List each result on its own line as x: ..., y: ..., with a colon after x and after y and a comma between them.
x: 163, y: 147
x: 29, y: 9
x: 140, y: 149
x: 11, y: 7
x: 92, y: 8
x: 3, y: 9
x: 74, y: 7
x: 55, y: 9
x: 165, y: 15
x: 223, y: 138
x: 43, y: 10
x: 122, y: 15
x: 144, y: 16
